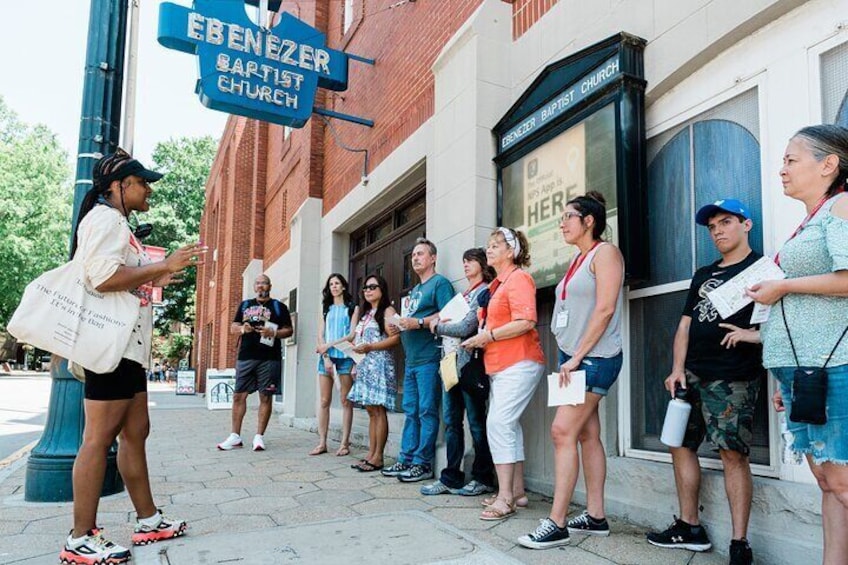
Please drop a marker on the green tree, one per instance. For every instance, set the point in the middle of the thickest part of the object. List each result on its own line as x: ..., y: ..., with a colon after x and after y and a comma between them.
x: 35, y: 206
x: 175, y: 209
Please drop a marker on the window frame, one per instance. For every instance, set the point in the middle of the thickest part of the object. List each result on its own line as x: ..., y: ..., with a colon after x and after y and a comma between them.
x: 656, y: 125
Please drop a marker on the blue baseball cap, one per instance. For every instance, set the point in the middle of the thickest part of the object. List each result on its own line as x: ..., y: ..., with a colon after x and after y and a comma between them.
x: 729, y: 205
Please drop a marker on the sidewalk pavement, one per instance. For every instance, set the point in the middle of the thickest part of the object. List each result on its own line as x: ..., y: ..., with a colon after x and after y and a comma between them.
x: 283, y: 506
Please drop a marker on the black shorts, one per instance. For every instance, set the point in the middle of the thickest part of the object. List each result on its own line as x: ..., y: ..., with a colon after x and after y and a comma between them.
x: 264, y: 376
x: 127, y: 380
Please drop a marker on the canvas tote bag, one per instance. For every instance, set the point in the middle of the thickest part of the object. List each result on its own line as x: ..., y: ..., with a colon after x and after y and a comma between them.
x: 62, y: 314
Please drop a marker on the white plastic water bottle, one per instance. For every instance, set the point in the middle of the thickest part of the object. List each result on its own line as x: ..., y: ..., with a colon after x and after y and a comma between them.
x: 676, y: 418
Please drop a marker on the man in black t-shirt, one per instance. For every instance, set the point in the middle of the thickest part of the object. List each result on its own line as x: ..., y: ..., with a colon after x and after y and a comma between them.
x: 262, y: 323
x: 719, y: 363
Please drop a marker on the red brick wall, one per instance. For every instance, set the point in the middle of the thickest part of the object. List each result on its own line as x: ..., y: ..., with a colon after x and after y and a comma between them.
x: 397, y: 93
x: 525, y: 13
x: 233, y: 226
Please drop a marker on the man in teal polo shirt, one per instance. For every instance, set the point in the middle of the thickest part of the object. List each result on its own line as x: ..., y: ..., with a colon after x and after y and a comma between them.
x: 421, y: 384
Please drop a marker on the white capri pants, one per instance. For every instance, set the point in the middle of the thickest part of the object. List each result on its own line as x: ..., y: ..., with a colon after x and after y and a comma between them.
x: 509, y: 395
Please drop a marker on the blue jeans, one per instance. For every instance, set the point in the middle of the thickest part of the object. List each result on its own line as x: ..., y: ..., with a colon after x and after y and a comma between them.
x: 455, y: 403
x: 601, y: 372
x: 421, y: 387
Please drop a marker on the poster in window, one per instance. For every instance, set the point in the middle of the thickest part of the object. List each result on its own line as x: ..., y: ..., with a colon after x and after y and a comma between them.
x: 537, y: 187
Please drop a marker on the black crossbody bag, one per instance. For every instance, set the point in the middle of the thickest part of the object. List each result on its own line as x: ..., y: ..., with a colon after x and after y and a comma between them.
x: 809, y: 386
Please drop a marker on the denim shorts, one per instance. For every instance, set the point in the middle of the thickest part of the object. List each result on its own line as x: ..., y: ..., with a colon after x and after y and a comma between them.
x: 601, y: 372
x: 827, y: 443
x: 343, y: 365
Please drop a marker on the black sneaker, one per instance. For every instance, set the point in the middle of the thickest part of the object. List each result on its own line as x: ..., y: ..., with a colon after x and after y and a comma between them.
x: 740, y: 552
x: 416, y: 473
x: 682, y: 535
x: 395, y: 469
x: 546, y: 535
x: 585, y: 524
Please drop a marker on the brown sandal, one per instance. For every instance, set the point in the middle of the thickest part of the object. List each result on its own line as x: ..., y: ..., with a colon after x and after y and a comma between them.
x: 344, y: 450
x: 318, y: 450
x: 496, y: 512
x: 518, y: 501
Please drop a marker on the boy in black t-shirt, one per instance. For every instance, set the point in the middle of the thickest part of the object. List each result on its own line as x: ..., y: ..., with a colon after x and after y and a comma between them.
x: 719, y: 362
x: 259, y: 365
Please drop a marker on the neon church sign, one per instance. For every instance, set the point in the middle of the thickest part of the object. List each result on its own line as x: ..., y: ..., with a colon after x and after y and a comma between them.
x: 247, y: 70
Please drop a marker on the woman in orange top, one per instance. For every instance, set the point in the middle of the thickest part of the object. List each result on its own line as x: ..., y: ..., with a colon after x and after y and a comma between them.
x: 514, y: 360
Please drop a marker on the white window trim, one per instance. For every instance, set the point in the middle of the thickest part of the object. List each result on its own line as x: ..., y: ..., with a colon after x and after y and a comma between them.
x: 347, y: 16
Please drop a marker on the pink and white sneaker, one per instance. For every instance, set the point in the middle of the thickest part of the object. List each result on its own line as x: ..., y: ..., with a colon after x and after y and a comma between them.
x: 93, y: 549
x: 163, y: 529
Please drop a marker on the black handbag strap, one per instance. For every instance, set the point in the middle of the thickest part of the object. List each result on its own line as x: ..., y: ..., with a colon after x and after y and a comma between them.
x: 792, y: 344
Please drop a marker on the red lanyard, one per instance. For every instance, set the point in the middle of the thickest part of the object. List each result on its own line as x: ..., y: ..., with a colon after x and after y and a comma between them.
x: 470, y: 290
x: 809, y: 217
x: 575, y: 265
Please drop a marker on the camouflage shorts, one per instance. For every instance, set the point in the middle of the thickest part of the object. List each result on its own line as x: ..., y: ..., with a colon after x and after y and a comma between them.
x: 722, y: 410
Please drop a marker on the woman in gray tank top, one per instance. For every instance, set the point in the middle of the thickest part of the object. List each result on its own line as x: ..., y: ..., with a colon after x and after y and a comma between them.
x: 587, y: 324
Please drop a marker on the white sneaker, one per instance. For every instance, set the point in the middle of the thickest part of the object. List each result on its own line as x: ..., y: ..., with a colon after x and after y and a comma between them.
x: 92, y: 549
x: 232, y: 442
x: 258, y: 443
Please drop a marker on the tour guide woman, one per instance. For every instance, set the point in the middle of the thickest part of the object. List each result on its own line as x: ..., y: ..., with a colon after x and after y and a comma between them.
x: 514, y: 361
x: 116, y: 403
x: 809, y: 314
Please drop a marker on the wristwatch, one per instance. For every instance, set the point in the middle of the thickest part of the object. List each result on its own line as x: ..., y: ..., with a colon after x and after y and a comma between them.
x: 420, y: 323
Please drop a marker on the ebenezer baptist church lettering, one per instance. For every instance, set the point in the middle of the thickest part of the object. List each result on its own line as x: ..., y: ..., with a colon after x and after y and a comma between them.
x: 265, y: 74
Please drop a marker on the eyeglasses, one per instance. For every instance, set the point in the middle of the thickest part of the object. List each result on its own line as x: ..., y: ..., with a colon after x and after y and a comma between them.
x: 371, y: 287
x: 568, y: 215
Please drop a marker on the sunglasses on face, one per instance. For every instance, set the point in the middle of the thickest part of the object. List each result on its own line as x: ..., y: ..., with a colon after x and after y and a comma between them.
x: 371, y: 287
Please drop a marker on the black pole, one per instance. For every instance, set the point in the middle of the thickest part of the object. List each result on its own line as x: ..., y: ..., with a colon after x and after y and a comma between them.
x: 50, y: 465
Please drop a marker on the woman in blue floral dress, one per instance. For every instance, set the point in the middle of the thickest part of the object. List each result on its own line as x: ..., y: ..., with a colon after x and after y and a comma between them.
x: 375, y: 385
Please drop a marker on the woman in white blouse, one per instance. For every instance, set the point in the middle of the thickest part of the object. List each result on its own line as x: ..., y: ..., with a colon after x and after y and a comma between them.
x: 116, y: 403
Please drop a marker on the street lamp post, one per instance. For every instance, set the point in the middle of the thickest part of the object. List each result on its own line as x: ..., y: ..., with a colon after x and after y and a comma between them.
x: 49, y: 474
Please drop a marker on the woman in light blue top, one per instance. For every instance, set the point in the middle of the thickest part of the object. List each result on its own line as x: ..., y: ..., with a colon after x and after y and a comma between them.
x: 338, y: 318
x: 810, y: 314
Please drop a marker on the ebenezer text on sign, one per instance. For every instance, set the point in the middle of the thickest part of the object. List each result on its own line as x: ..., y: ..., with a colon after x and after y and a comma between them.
x: 267, y: 74
x: 600, y: 76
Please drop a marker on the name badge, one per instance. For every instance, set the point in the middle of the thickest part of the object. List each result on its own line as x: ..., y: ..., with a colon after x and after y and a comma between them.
x: 562, y: 319
x: 760, y: 315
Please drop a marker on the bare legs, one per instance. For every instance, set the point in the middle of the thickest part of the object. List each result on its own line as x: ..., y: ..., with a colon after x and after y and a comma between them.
x: 739, y: 487
x: 325, y: 388
x: 594, y: 465
x: 266, y: 406
x: 833, y: 481
x: 104, y: 420
x: 239, y: 410
x: 346, y: 383
x: 570, y: 423
x: 132, y: 456
x: 378, y: 434
x: 687, y: 479
x: 325, y: 392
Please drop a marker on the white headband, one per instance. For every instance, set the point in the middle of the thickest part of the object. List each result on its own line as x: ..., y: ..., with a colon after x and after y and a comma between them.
x: 511, y: 240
